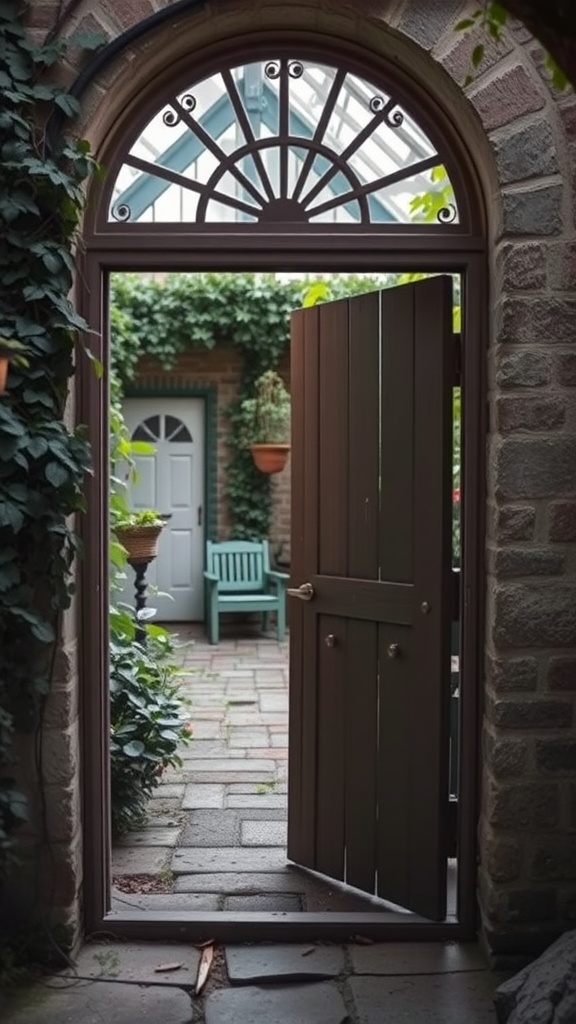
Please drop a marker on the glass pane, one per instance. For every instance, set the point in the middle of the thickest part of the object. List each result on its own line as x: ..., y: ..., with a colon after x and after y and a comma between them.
x: 283, y: 139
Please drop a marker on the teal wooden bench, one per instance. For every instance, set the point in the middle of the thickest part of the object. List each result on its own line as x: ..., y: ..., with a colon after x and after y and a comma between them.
x: 238, y: 578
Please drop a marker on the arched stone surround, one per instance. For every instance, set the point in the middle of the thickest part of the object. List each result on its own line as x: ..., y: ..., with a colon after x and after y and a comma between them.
x: 522, y: 138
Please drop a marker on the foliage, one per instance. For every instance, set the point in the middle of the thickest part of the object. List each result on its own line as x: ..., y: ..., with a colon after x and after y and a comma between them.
x: 146, y: 711
x: 42, y: 461
x: 147, y: 716
x: 249, y: 312
x: 266, y: 415
x: 493, y: 17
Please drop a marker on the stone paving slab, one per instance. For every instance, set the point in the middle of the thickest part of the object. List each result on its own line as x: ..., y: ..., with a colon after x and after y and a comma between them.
x: 227, y: 859
x: 137, y: 962
x: 151, y: 837
x: 145, y: 860
x: 175, y: 790
x: 282, y: 962
x: 102, y: 1003
x: 417, y: 958
x: 198, y: 796
x: 227, y: 765
x: 275, y: 903
x: 204, y: 828
x: 436, y: 999
x: 257, y: 800
x: 288, y: 881
x: 161, y: 902
x: 264, y: 833
x: 295, y: 1004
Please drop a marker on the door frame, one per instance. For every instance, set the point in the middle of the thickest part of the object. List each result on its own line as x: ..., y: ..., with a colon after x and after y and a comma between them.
x: 287, y: 253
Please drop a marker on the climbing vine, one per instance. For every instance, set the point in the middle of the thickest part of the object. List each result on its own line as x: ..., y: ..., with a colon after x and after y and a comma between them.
x: 43, y: 461
x: 249, y: 312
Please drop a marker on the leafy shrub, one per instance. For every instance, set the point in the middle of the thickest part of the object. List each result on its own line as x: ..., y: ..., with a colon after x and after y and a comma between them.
x: 147, y: 717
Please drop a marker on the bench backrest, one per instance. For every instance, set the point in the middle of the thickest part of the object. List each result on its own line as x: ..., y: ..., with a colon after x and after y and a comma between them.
x: 240, y: 565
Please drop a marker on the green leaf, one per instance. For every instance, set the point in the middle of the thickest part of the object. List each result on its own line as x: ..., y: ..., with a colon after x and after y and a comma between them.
x: 134, y: 749
x: 56, y: 474
x: 477, y: 55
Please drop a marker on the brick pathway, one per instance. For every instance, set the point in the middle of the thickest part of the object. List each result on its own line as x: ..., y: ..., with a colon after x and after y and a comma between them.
x: 217, y: 825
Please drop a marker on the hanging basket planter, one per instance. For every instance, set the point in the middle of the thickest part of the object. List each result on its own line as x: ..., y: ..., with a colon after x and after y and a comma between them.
x: 270, y: 458
x: 141, y: 542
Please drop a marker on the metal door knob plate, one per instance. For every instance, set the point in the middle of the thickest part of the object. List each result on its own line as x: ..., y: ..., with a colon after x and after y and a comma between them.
x: 330, y: 640
x: 393, y: 650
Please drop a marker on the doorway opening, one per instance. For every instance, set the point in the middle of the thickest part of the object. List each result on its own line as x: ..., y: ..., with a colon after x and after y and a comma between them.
x: 449, y: 245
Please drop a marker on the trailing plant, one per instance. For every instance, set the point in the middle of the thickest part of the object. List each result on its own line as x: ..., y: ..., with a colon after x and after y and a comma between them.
x: 249, y: 312
x: 266, y: 414
x: 43, y: 461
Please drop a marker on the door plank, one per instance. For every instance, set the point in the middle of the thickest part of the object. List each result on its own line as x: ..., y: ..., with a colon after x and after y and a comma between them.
x: 361, y: 767
x: 333, y: 438
x: 364, y: 436
x: 332, y: 671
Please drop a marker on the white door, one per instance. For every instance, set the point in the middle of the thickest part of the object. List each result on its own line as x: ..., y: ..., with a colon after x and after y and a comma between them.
x: 172, y: 481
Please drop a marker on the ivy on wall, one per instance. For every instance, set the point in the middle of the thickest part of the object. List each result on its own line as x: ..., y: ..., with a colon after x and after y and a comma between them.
x: 42, y: 461
x: 249, y: 312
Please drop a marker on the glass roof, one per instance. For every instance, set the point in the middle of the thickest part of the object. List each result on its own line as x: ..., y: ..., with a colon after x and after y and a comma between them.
x: 281, y: 141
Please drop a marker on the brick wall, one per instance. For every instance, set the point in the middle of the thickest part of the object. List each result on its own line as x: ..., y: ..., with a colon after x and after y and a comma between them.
x: 522, y: 138
x: 222, y: 369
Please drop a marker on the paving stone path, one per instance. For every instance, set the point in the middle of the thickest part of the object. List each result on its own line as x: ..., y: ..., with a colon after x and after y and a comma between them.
x: 217, y: 825
x: 399, y: 983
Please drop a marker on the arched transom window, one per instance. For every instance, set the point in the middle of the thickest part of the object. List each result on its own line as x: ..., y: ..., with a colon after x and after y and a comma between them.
x: 283, y: 140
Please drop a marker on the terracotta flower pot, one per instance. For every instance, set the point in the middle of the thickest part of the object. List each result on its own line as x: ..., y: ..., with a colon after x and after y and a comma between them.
x: 4, y: 362
x: 270, y: 458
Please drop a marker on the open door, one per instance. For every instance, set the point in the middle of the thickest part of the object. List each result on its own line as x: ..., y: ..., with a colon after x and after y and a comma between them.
x: 370, y: 609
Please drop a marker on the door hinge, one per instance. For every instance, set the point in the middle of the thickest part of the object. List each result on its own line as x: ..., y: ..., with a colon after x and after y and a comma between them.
x: 199, y: 515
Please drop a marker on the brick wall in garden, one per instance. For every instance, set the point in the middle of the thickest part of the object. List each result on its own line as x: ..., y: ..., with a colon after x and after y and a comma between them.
x: 523, y: 139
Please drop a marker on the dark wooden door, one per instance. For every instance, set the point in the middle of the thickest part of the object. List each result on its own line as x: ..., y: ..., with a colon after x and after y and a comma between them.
x: 370, y: 651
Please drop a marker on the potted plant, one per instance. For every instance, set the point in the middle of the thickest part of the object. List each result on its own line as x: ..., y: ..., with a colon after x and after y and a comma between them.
x: 266, y: 423
x: 10, y: 351
x: 138, y: 532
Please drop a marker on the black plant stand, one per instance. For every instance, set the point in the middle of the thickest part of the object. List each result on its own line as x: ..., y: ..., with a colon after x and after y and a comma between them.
x: 140, y: 565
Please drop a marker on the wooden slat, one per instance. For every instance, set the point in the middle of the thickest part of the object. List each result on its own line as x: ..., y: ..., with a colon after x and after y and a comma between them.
x: 364, y: 599
x: 361, y: 768
x: 331, y: 746
x: 397, y: 466
x: 364, y: 440
x: 396, y: 761
x: 333, y: 440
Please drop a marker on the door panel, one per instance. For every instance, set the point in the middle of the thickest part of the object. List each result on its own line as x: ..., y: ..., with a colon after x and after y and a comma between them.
x: 370, y: 669
x: 172, y: 480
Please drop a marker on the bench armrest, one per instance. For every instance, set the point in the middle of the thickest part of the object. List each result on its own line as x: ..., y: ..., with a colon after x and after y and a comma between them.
x: 277, y: 579
x: 211, y: 577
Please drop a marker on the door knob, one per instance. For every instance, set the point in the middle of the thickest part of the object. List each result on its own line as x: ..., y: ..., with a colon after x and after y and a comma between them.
x: 303, y: 593
x: 393, y: 650
x: 330, y: 640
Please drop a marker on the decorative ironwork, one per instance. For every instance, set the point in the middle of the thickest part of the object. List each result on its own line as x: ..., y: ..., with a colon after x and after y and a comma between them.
x: 280, y: 141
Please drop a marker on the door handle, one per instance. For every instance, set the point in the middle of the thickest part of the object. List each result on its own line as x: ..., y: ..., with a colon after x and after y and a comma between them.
x: 303, y: 593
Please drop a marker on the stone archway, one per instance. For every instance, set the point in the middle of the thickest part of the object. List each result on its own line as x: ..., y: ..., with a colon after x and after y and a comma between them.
x: 519, y: 135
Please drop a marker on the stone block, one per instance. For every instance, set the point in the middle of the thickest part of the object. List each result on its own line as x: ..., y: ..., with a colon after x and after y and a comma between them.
x: 513, y: 522
x: 522, y: 266
x: 535, y: 616
x: 519, y: 413
x: 562, y: 521
x: 271, y: 903
x: 524, y: 807
x: 535, y: 211
x: 528, y: 562
x: 562, y: 674
x: 534, y: 321
x: 425, y: 25
x: 503, y: 858
x: 105, y: 1001
x: 505, y: 758
x: 264, y: 833
x: 512, y: 674
x: 279, y: 962
x: 138, y: 962
x: 556, y: 756
x: 535, y: 468
x: 228, y: 859
x: 562, y: 266
x: 529, y: 152
x: 565, y: 369
x: 554, y: 860
x: 523, y: 370
x: 413, y: 958
x: 506, y: 96
x: 211, y: 828
x: 532, y: 713
x: 432, y: 999
x: 544, y: 990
